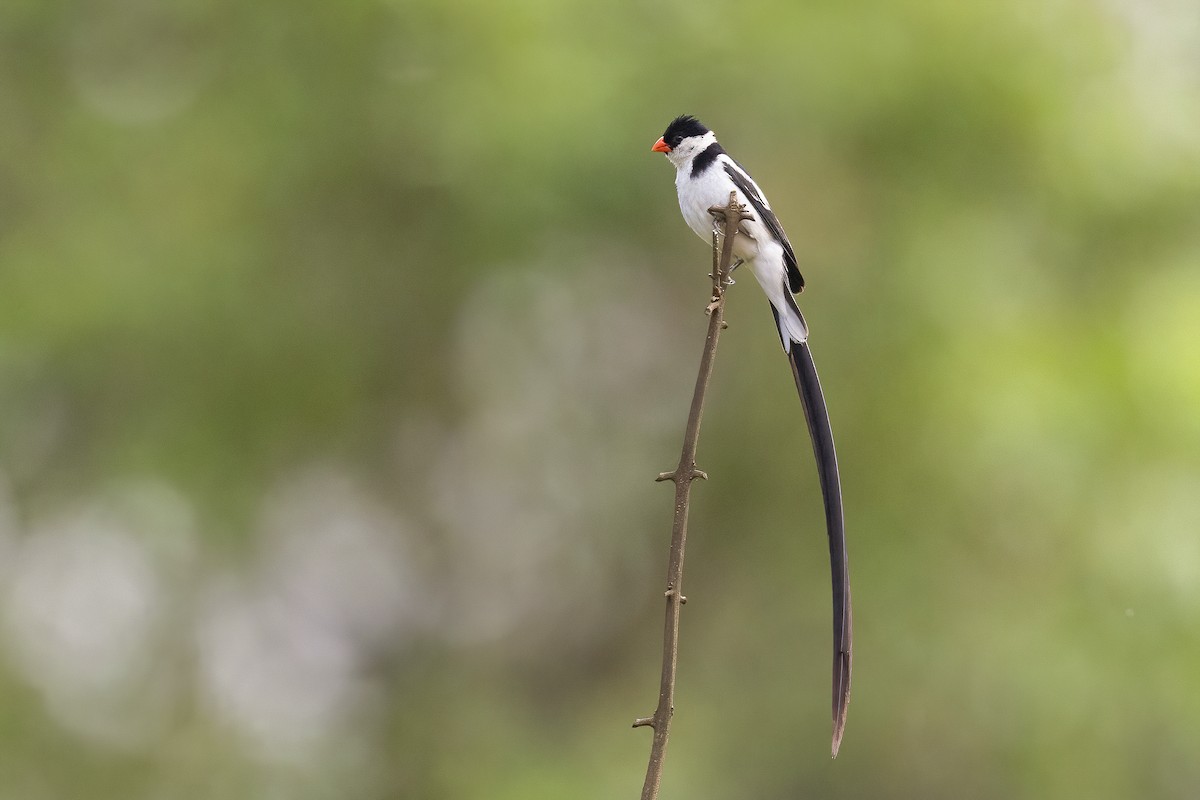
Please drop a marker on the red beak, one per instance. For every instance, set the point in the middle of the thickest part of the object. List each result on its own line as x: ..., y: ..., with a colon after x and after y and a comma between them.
x: 660, y: 146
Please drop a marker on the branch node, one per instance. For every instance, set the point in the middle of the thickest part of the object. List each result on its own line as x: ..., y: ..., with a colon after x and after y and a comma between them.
x: 699, y: 473
x: 665, y: 476
x: 644, y: 722
x: 739, y: 211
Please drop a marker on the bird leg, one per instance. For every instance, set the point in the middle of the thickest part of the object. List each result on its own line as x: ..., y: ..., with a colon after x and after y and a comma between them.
x: 729, y: 281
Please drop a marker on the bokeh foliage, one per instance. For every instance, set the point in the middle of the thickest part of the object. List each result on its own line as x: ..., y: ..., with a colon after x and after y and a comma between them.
x: 339, y: 344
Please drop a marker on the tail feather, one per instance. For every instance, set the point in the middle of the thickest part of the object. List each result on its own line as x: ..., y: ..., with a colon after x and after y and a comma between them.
x: 817, y: 416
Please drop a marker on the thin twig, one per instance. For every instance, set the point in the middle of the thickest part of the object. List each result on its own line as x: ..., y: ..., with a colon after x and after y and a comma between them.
x: 683, y: 476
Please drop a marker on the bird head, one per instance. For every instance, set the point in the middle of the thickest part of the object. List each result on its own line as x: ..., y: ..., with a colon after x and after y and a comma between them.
x: 684, y: 139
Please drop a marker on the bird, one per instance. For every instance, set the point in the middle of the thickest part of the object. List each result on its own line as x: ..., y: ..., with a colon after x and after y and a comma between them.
x: 705, y: 174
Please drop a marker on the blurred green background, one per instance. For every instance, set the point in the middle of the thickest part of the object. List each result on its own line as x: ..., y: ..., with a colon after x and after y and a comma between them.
x: 340, y: 342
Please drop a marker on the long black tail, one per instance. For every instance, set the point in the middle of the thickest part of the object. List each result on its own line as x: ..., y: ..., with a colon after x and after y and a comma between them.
x: 809, y: 386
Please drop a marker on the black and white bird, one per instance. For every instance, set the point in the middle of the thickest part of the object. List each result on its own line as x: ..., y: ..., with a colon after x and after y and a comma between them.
x: 704, y: 176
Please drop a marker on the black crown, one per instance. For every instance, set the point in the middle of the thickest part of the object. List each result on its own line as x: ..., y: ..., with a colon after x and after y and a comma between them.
x: 681, y: 128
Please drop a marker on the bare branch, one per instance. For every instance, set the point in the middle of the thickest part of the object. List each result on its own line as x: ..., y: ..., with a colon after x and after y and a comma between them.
x: 729, y: 218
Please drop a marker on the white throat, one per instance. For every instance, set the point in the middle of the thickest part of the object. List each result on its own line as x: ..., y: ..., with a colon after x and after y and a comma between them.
x: 689, y: 148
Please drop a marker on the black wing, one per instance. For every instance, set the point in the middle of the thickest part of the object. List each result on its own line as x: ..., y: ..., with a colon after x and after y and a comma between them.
x: 817, y: 415
x: 767, y: 217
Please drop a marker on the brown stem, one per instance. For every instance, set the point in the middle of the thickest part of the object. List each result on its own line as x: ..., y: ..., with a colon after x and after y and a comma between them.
x: 683, y: 476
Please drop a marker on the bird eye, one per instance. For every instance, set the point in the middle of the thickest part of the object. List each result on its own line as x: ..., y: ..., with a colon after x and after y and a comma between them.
x: 676, y: 141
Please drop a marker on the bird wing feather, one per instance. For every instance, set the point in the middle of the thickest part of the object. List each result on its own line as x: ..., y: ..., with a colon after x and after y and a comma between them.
x: 767, y: 217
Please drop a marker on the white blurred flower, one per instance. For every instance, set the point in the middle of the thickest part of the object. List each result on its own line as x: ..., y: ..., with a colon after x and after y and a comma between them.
x: 284, y: 654
x: 280, y: 680
x: 85, y: 610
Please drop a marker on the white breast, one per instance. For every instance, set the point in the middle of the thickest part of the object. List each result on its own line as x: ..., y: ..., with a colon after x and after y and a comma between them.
x: 697, y: 195
x: 712, y: 188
